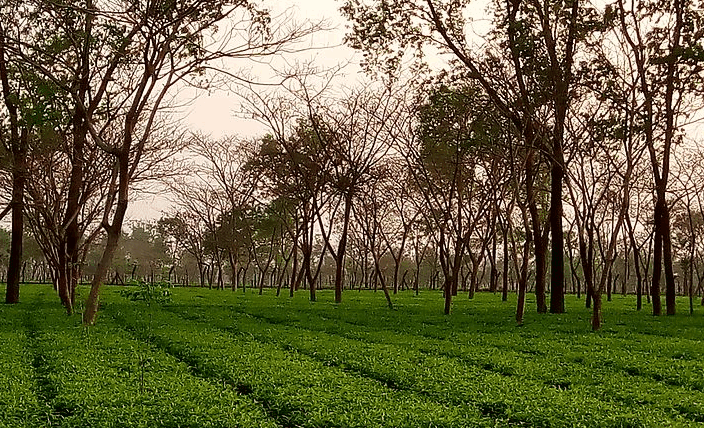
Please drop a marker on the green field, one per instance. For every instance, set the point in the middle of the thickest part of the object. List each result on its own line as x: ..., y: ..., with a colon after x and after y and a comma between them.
x: 223, y: 359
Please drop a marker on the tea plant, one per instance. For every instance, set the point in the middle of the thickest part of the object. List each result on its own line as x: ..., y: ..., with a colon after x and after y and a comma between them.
x: 159, y: 292
x: 207, y: 358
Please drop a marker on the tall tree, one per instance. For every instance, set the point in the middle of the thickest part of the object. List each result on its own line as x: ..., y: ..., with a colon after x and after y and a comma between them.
x: 137, y: 53
x: 16, y: 143
x: 663, y: 39
x: 454, y: 125
x: 537, y: 39
x: 31, y: 108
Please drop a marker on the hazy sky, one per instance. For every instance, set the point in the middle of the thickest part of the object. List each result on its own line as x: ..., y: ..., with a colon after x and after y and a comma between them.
x: 216, y: 112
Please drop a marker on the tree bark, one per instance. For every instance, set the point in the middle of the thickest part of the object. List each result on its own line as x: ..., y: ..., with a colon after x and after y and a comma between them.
x: 504, y: 290
x: 19, y: 176
x: 341, y: 248
x: 18, y: 147
x: 113, y: 230
x: 557, y: 265
x: 92, y: 303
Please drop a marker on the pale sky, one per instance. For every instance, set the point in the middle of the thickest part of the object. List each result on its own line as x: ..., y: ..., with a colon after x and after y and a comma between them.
x: 219, y: 113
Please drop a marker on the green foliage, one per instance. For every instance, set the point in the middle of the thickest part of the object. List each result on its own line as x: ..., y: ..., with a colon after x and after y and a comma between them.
x: 102, y: 377
x: 159, y: 292
x: 536, y: 379
x: 20, y: 404
x: 219, y: 359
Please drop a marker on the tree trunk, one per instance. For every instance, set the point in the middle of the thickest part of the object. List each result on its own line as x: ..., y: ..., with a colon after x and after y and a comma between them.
x: 19, y: 170
x: 63, y: 282
x: 233, y: 267
x: 92, y: 303
x: 295, y: 276
x: 670, y: 290
x: 383, y: 284
x: 636, y: 263
x: 657, y: 268
x: 341, y: 249
x: 19, y: 146
x: 309, y: 274
x: 494, y: 272
x: 522, y: 283
x: 539, y: 243
x: 557, y: 272
x: 447, y: 289
x: 596, y: 312
x: 504, y: 291
x: 113, y: 230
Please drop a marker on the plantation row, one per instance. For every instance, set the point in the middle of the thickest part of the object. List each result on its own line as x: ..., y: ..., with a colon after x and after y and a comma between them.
x: 214, y: 359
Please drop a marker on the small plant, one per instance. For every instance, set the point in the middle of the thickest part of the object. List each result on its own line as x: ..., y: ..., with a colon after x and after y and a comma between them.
x: 159, y: 292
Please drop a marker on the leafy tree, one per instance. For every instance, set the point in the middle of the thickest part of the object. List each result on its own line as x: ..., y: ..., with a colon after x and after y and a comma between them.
x: 114, y: 65
x: 456, y: 130
x: 30, y: 110
x: 293, y: 169
x: 185, y: 235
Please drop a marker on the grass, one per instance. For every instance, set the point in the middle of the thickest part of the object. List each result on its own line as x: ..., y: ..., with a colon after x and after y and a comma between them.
x: 208, y: 358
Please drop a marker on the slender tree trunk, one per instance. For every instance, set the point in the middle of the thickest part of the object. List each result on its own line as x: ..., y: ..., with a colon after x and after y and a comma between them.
x: 540, y: 249
x: 608, y: 287
x: 113, y: 230
x: 309, y: 274
x: 504, y: 290
x: 447, y: 289
x: 557, y: 272
x: 63, y: 281
x: 19, y: 146
x: 19, y: 171
x: 341, y: 249
x: 233, y: 266
x: 522, y: 284
x: 657, y: 267
x: 379, y: 275
x: 92, y: 303
x: 294, y: 271
x: 540, y: 245
x: 636, y: 263
x: 670, y: 290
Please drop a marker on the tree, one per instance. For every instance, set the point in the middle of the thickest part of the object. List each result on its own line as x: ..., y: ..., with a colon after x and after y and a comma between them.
x: 356, y: 133
x: 369, y: 214
x: 291, y: 166
x: 186, y: 233
x: 17, y: 145
x: 131, y: 56
x: 537, y: 43
x: 29, y: 108
x: 145, y: 252
x: 453, y: 127
x: 663, y: 40
x: 330, y: 147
